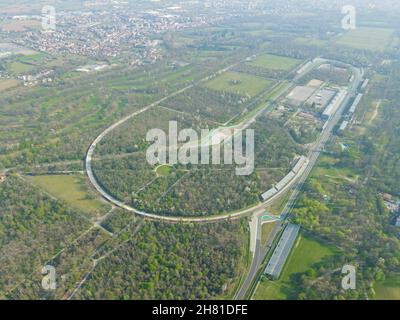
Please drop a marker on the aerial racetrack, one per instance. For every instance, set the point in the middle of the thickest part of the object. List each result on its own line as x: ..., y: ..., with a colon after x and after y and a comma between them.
x: 117, y: 167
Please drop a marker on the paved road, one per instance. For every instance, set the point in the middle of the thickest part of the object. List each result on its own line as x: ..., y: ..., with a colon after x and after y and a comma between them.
x: 260, y: 253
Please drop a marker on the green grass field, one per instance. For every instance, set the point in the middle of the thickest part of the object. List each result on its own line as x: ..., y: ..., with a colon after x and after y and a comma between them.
x: 72, y: 190
x: 388, y: 289
x: 239, y: 83
x: 373, y: 39
x: 163, y: 170
x: 311, y: 41
x: 269, y: 61
x: 266, y: 231
x: 307, y: 252
x: 17, y: 67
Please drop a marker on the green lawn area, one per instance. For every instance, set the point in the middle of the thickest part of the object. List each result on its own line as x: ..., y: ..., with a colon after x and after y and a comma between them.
x: 311, y: 41
x: 373, y: 39
x: 239, y: 83
x: 269, y: 61
x: 71, y: 189
x: 266, y: 230
x: 306, y: 252
x: 388, y: 289
x: 163, y: 170
x: 326, y: 170
x: 17, y: 67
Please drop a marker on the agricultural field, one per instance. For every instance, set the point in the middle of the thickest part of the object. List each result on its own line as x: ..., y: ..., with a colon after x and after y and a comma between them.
x: 364, y: 38
x: 8, y: 84
x: 20, y: 25
x: 239, y: 83
x: 306, y: 253
x: 273, y: 62
x: 71, y: 189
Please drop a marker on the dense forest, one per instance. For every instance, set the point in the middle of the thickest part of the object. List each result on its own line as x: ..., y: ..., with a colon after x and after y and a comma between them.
x: 172, y: 262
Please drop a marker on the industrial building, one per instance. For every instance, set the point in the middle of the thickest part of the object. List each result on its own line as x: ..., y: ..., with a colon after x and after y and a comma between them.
x: 282, y: 250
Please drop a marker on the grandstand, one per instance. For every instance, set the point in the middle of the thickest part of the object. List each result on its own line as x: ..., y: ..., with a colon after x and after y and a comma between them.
x: 301, y: 163
x: 282, y: 250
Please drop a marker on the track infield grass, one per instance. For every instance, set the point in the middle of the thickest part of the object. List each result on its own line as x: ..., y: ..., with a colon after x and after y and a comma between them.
x: 273, y: 62
x: 239, y: 83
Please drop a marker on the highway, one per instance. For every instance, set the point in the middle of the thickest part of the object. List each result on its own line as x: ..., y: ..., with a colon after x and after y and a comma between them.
x: 261, y: 252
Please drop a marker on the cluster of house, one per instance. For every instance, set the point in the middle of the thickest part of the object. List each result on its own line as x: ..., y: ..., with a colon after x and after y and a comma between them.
x: 32, y: 80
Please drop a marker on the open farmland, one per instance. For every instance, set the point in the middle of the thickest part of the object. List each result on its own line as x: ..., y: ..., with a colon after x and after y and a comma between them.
x: 8, y: 84
x: 363, y: 38
x: 20, y: 25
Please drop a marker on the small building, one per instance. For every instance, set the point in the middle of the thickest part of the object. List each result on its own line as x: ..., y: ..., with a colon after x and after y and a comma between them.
x: 2, y: 178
